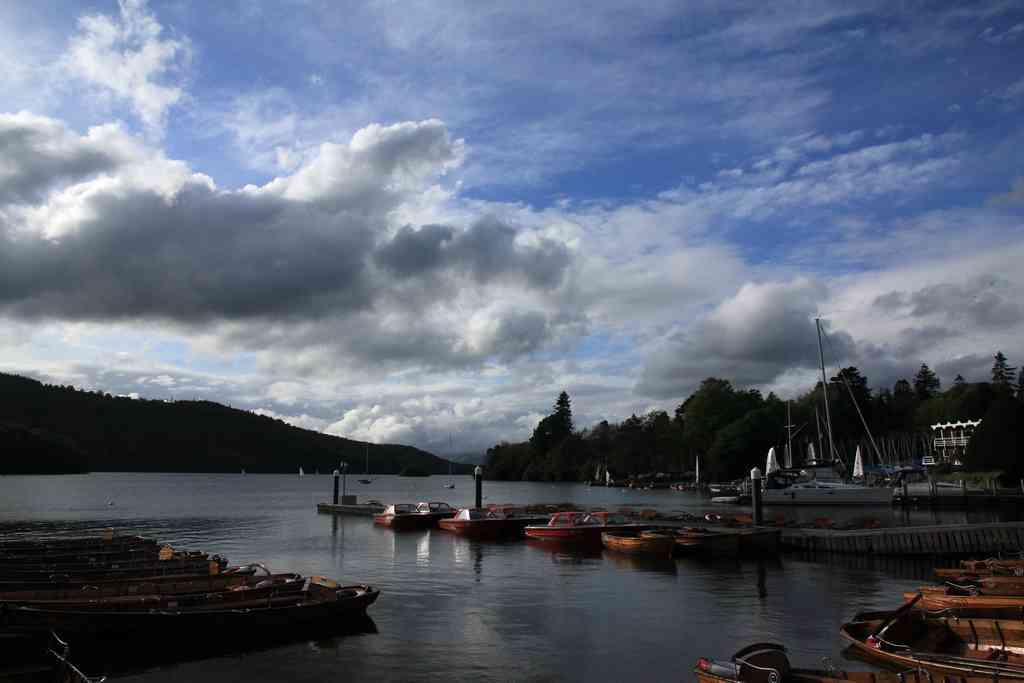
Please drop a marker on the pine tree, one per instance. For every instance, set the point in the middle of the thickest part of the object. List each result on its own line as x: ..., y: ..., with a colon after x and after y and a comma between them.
x: 563, y: 414
x: 1020, y: 387
x: 1003, y: 374
x: 959, y: 381
x: 926, y: 383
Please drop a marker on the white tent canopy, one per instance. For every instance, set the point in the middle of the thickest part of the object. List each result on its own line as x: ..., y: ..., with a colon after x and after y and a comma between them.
x: 772, y: 465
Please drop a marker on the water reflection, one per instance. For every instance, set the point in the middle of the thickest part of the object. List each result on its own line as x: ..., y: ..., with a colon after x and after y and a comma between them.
x: 423, y: 550
x: 642, y: 563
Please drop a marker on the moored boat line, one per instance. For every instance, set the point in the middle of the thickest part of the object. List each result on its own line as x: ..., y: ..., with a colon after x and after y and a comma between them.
x: 91, y: 591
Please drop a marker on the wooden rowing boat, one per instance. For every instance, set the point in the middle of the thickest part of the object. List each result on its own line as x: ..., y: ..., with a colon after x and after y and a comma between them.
x: 984, y: 585
x: 140, y: 590
x: 698, y: 540
x: 767, y: 662
x: 61, y: 573
x: 108, y: 540
x: 639, y: 543
x: 946, y: 597
x: 911, y: 638
x: 96, y: 553
x: 321, y: 600
x: 80, y: 563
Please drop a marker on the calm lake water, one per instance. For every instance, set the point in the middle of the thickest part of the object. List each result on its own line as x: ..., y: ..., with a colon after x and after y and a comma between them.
x: 467, y: 610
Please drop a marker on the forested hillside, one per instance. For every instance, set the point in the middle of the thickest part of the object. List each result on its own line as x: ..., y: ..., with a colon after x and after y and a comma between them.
x: 732, y: 429
x: 47, y: 428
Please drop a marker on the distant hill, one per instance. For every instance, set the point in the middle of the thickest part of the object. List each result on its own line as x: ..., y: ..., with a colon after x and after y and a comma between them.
x: 46, y: 428
x: 468, y: 458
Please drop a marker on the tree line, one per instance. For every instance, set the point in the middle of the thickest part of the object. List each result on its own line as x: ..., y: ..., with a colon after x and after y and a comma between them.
x: 731, y: 429
x: 52, y: 428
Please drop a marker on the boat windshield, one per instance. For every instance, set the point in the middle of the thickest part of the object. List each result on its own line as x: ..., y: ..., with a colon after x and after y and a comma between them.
x: 400, y: 509
x: 469, y: 514
x: 565, y: 519
x: 434, y: 506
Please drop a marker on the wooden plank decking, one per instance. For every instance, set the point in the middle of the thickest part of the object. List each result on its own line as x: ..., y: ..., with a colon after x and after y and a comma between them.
x: 944, y: 539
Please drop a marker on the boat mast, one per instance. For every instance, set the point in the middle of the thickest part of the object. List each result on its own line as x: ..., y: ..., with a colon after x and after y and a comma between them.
x: 817, y: 427
x: 824, y: 394
x: 789, y: 435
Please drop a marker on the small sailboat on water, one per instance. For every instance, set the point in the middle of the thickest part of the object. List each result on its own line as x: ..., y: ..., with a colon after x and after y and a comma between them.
x: 366, y: 479
x: 450, y: 484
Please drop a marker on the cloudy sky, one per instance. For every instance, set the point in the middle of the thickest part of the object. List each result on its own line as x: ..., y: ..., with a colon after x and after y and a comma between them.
x: 400, y: 221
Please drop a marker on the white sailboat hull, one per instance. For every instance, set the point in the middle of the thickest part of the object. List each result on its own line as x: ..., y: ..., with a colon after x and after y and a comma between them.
x: 824, y: 494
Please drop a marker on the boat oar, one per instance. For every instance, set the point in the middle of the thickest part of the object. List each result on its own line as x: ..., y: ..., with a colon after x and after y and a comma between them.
x: 906, y: 607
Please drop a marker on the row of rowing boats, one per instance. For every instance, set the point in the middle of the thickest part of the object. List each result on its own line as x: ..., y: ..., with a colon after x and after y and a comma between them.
x: 969, y: 630
x: 125, y: 588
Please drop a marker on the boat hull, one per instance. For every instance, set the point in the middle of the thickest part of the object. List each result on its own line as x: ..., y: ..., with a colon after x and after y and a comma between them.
x: 590, y: 535
x: 644, y: 544
x: 489, y: 528
x: 853, y: 495
x: 195, y: 623
x: 407, y: 522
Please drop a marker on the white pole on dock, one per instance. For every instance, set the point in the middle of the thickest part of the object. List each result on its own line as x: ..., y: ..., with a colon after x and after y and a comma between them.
x: 755, y: 496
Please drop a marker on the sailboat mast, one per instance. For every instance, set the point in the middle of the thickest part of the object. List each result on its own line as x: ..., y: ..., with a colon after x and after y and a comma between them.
x: 817, y: 427
x: 788, y: 460
x: 824, y: 394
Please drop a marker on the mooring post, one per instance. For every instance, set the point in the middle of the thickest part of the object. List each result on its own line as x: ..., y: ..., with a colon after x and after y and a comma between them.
x: 344, y: 479
x: 905, y: 501
x: 336, y: 474
x: 755, y: 496
x: 478, y: 476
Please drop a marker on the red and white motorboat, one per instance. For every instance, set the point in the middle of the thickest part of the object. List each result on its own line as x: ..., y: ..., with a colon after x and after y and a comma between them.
x: 433, y: 512
x: 490, y: 523
x: 402, y: 517
x: 582, y: 527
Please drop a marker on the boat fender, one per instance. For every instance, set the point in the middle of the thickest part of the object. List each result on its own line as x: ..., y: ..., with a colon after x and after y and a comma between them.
x: 713, y: 517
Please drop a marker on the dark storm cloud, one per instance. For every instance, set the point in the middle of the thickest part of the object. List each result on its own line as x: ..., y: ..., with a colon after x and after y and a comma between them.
x: 486, y: 251
x: 981, y: 302
x: 751, y: 340
x: 305, y: 262
x: 36, y: 154
x: 203, y: 256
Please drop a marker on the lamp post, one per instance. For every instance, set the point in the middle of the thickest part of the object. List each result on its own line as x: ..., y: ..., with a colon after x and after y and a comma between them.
x: 344, y: 471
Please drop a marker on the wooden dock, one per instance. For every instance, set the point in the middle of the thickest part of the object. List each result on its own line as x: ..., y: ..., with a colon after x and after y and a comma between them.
x: 358, y: 509
x: 979, y: 540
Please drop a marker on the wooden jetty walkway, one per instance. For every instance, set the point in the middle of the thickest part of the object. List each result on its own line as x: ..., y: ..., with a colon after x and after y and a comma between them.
x: 942, y: 539
x: 356, y: 509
